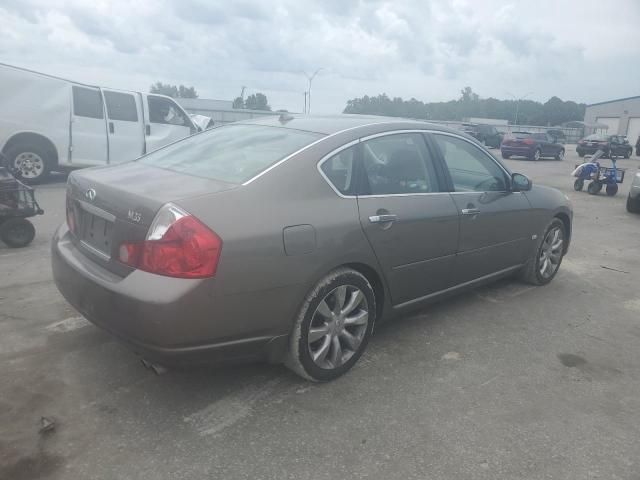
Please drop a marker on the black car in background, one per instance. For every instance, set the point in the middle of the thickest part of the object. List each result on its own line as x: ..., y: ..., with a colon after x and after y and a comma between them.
x: 488, y: 135
x: 616, y: 145
x: 534, y: 146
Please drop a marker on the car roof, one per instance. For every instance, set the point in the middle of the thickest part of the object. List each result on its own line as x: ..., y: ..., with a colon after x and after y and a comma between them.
x: 330, y: 124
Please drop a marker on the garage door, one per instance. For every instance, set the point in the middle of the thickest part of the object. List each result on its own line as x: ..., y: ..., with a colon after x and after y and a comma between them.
x: 613, y: 123
x: 633, y: 130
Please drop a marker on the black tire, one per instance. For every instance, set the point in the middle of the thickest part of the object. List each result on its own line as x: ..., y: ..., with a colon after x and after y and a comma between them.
x: 560, y: 155
x: 611, y: 189
x: 536, y: 153
x: 627, y: 154
x: 594, y: 188
x: 581, y: 154
x: 299, y: 359
x: 17, y: 232
x: 578, y: 185
x: 505, y: 156
x: 633, y: 206
x: 531, y: 271
x: 38, y: 156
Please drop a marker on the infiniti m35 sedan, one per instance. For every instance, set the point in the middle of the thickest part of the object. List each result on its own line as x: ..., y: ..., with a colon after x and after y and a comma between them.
x: 288, y: 238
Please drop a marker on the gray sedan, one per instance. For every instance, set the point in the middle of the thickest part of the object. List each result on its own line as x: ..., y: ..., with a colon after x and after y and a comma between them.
x: 287, y: 239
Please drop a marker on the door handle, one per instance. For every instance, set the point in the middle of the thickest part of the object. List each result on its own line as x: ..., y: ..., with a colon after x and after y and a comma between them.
x: 148, y: 130
x: 470, y: 211
x: 111, y: 128
x: 383, y: 218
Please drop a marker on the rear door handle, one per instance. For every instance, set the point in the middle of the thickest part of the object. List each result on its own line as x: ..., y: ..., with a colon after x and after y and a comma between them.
x: 383, y: 218
x: 470, y: 211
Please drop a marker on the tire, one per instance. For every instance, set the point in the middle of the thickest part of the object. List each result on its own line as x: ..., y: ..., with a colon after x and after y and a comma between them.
x: 536, y: 155
x: 31, y: 161
x: 533, y: 272
x: 560, y: 155
x: 306, y: 357
x: 505, y: 156
x: 627, y: 154
x: 578, y: 185
x: 581, y: 154
x: 633, y: 206
x: 594, y: 188
x: 17, y: 232
x: 611, y: 189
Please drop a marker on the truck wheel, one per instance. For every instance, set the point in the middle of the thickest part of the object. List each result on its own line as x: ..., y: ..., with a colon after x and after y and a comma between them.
x: 594, y: 188
x: 30, y: 161
x: 633, y: 206
x: 17, y: 232
x: 333, y: 326
x: 578, y: 184
x: 612, y: 189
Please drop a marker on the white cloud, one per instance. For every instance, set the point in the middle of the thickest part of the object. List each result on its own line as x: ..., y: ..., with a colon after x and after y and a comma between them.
x: 585, y: 51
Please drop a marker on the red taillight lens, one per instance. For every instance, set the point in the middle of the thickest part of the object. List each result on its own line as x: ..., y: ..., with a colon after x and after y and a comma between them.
x: 184, y: 248
x: 528, y: 141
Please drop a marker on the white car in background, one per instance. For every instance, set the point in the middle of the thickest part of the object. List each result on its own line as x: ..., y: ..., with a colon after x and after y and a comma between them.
x: 49, y: 123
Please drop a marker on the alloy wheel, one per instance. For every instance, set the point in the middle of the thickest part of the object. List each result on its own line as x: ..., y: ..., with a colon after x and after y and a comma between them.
x: 551, y: 252
x: 338, y: 327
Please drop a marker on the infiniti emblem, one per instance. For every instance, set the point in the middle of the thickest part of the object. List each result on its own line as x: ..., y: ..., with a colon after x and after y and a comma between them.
x: 90, y: 194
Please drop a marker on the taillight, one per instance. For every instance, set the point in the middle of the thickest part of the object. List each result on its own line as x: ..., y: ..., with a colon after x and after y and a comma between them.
x: 528, y: 141
x: 177, y: 245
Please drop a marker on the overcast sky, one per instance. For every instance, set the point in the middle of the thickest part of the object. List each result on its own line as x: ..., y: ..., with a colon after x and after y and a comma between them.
x: 585, y: 50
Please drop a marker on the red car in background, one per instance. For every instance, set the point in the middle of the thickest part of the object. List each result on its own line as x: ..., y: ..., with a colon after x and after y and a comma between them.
x: 534, y: 146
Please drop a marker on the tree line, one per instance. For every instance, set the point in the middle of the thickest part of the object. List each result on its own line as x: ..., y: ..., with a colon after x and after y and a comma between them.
x: 256, y: 101
x: 553, y: 112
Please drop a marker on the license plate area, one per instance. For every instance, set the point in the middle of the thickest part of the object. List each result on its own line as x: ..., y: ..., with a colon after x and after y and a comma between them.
x: 96, y: 230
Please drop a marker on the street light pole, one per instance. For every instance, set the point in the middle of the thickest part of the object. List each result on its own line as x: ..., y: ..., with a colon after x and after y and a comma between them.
x: 310, y: 78
x: 517, y: 99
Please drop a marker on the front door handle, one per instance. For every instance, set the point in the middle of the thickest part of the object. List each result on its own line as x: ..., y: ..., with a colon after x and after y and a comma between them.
x: 470, y: 211
x: 383, y: 218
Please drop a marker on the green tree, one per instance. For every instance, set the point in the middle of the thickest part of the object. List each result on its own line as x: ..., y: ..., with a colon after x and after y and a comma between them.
x: 238, y: 102
x: 173, y: 90
x: 257, y: 101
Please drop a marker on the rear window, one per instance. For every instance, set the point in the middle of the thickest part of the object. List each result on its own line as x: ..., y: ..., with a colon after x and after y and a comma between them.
x: 597, y: 137
x: 521, y: 135
x: 233, y: 153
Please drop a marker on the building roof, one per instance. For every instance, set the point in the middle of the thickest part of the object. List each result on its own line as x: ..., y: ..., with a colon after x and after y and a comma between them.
x: 329, y: 124
x: 613, y: 101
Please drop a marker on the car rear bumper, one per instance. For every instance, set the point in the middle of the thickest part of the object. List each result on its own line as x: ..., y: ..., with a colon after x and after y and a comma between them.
x: 517, y: 151
x: 168, y: 320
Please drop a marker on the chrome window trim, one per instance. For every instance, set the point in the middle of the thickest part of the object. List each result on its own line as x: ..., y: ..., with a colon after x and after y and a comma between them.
x: 329, y: 156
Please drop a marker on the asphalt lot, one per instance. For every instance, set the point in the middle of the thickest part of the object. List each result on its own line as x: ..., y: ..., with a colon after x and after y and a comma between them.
x: 508, y: 382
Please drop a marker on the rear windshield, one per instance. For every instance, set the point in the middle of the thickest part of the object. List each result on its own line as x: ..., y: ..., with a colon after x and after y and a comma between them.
x: 521, y: 134
x: 233, y: 153
x: 596, y: 136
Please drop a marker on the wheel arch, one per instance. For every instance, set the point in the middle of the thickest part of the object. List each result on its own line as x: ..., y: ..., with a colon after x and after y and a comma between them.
x: 33, y: 138
x: 564, y: 218
x: 376, y: 283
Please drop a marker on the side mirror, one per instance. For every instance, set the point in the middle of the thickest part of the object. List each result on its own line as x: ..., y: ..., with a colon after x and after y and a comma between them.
x: 520, y: 183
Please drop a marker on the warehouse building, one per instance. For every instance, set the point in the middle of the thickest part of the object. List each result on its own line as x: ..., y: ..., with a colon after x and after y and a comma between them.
x: 220, y: 111
x: 622, y: 116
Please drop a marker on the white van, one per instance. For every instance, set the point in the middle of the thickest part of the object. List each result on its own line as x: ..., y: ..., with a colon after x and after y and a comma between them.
x: 48, y: 123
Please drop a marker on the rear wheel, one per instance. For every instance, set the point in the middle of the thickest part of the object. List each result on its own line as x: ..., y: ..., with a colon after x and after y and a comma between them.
x: 612, y: 189
x: 536, y: 155
x: 546, y: 260
x: 505, y: 156
x: 578, y: 185
x: 30, y: 161
x: 581, y: 154
x: 17, y: 232
x: 627, y: 154
x: 594, y: 188
x: 560, y: 155
x: 633, y: 205
x: 333, y: 326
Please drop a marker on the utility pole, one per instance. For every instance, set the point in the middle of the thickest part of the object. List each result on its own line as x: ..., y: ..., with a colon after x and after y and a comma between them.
x: 305, y: 103
x: 242, y: 92
x: 518, y: 99
x: 310, y: 78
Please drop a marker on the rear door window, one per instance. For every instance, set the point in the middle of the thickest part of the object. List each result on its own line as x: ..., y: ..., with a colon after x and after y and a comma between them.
x: 339, y: 170
x: 232, y: 153
x: 121, y: 106
x: 87, y: 102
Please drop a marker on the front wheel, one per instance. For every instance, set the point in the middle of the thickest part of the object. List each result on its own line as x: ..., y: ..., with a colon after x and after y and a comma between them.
x: 30, y: 161
x: 17, y: 232
x: 536, y: 155
x: 612, y: 189
x: 544, y: 265
x: 633, y: 205
x: 505, y: 156
x: 560, y: 155
x: 581, y: 154
x: 333, y: 326
x: 627, y: 154
x: 578, y: 185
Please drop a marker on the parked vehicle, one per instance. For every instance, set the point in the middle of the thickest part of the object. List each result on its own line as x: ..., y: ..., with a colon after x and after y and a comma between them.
x: 488, y: 135
x: 557, y: 135
x: 287, y: 238
x: 48, y: 123
x: 633, y: 200
x: 616, y: 145
x: 17, y: 203
x: 533, y: 146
